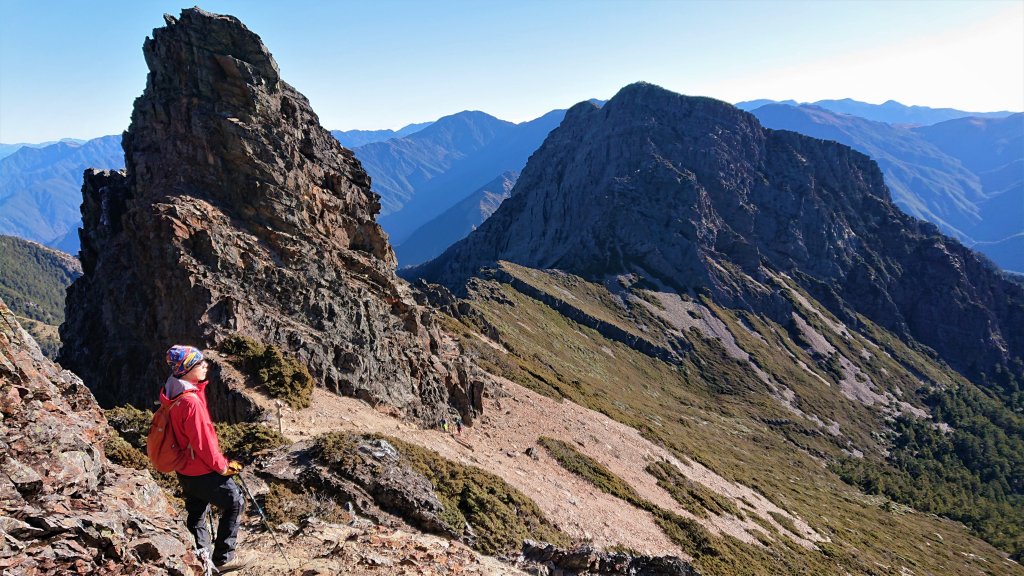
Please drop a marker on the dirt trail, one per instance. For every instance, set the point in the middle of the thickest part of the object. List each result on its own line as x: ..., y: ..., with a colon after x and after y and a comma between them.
x: 513, y: 419
x: 496, y: 443
x: 330, y: 549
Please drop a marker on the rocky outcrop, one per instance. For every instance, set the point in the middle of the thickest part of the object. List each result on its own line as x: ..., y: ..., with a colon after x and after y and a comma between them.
x: 64, y: 508
x: 693, y: 195
x: 372, y: 476
x: 238, y: 213
x: 587, y: 560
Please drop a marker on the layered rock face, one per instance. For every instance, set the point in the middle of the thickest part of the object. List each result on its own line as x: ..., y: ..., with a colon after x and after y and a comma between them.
x: 239, y: 213
x: 693, y: 194
x: 64, y: 508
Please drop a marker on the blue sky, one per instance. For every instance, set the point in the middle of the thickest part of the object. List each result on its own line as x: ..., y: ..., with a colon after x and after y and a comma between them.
x: 72, y: 68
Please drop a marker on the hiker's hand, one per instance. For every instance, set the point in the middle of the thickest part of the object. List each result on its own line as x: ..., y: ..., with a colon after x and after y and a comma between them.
x: 234, y: 467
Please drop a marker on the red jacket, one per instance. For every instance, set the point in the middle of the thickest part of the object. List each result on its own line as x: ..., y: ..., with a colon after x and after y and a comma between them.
x: 192, y: 427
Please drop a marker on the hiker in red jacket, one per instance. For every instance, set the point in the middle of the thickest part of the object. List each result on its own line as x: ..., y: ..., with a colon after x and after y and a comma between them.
x: 206, y: 477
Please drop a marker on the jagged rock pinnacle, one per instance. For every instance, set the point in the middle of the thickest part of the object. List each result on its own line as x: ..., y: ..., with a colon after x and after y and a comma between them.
x: 239, y: 213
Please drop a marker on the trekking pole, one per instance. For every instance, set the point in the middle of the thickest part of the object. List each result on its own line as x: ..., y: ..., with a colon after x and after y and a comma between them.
x: 209, y: 518
x: 241, y: 482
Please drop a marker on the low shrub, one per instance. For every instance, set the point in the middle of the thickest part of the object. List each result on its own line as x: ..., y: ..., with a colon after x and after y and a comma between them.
x: 282, y: 504
x: 784, y: 521
x: 119, y: 451
x: 282, y: 375
x: 336, y: 449
x: 500, y: 516
x: 244, y: 441
x: 688, y: 534
x: 592, y: 471
x: 695, y: 497
x: 131, y: 423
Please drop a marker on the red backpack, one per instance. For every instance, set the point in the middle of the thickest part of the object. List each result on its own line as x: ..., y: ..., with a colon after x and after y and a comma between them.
x: 162, y: 444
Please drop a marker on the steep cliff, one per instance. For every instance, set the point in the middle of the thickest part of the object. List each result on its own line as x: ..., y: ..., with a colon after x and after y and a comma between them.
x: 693, y: 194
x: 239, y: 213
x: 64, y: 508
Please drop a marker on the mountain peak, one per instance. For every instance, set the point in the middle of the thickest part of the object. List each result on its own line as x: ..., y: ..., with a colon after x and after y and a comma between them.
x: 210, y: 33
x: 238, y: 214
x: 694, y: 195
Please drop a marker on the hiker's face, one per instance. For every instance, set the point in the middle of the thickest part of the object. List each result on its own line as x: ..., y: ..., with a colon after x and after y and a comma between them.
x: 198, y: 374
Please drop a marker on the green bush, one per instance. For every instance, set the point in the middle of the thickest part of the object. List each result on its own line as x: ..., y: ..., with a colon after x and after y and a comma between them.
x: 243, y: 442
x: 501, y: 516
x: 784, y: 521
x: 688, y: 534
x: 282, y: 504
x: 283, y: 376
x: 131, y: 423
x: 693, y: 496
x: 336, y: 449
x: 119, y: 451
x: 970, y: 473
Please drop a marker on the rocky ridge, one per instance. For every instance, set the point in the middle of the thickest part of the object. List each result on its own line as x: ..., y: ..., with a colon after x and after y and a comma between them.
x: 64, y: 508
x: 239, y: 213
x: 692, y: 194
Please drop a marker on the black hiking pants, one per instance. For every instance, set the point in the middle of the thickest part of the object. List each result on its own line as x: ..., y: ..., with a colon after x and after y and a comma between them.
x: 222, y: 492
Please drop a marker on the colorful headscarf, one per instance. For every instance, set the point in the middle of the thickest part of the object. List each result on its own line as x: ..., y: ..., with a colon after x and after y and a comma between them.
x: 181, y: 359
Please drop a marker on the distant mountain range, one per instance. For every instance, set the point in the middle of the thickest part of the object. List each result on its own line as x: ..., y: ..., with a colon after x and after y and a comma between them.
x: 431, y: 239
x: 422, y: 175
x: 993, y: 149
x: 356, y: 138
x: 8, y: 149
x: 891, y: 112
x: 965, y: 175
x: 41, y: 189
x: 420, y: 171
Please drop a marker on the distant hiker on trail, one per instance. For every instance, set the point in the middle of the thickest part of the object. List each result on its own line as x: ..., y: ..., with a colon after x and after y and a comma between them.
x: 444, y: 424
x: 205, y: 476
x: 458, y: 425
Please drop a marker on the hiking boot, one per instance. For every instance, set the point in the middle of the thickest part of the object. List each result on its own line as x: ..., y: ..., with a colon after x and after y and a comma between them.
x: 236, y: 563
